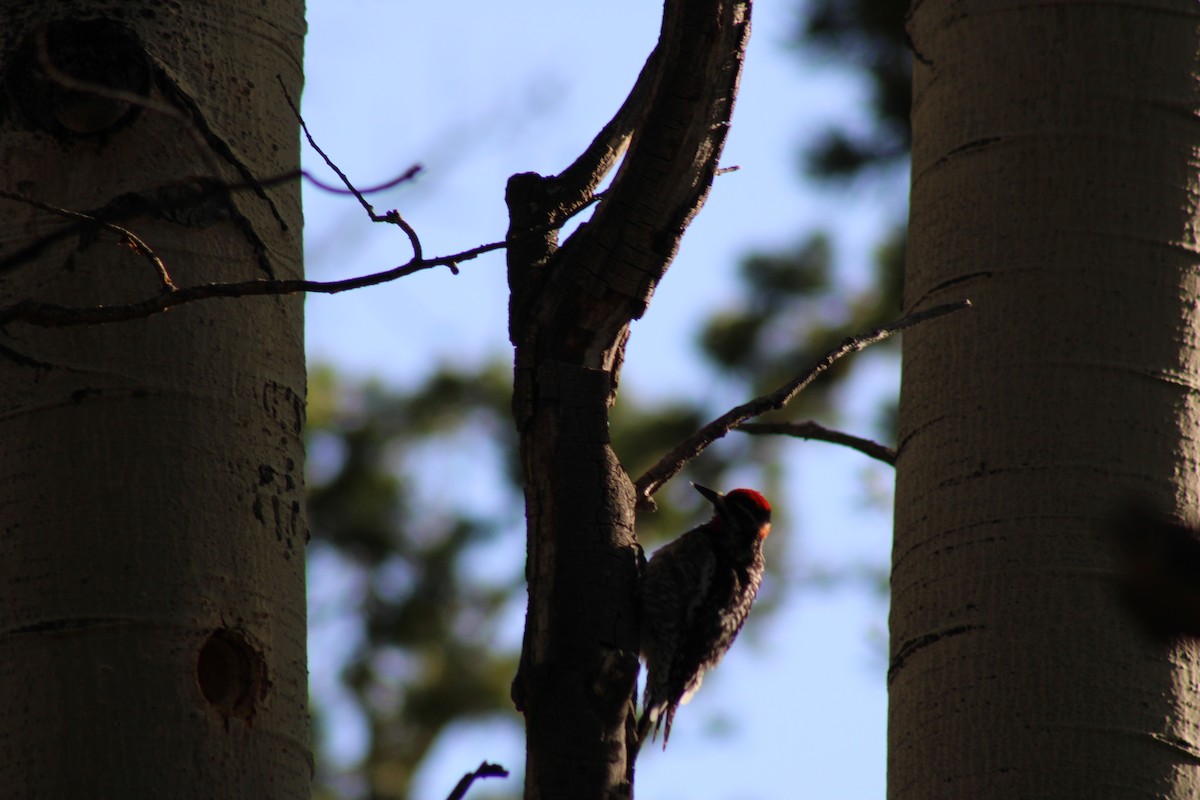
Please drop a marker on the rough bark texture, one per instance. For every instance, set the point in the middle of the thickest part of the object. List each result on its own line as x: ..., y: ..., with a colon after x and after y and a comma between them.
x: 152, y: 528
x: 570, y: 313
x: 1054, y: 183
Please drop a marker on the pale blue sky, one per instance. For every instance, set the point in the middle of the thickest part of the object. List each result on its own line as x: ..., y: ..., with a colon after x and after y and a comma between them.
x: 477, y: 91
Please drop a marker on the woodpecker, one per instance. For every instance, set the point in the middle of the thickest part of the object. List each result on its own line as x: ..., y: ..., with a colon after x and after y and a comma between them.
x: 695, y: 595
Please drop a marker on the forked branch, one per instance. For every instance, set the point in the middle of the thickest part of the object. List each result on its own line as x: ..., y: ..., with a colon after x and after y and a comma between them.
x: 169, y: 295
x: 669, y: 465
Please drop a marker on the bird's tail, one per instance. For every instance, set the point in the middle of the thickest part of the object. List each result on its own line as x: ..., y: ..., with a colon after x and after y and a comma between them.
x: 655, y: 716
x: 643, y: 728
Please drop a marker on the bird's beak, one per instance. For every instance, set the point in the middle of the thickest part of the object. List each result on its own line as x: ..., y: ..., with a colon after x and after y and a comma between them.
x: 712, y: 496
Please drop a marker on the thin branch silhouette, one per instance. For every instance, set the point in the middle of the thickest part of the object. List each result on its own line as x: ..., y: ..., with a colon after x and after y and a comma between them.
x: 670, y: 464
x: 485, y: 770
x: 52, y: 315
x: 203, y: 190
x: 131, y: 239
x: 404, y: 177
x: 818, y: 432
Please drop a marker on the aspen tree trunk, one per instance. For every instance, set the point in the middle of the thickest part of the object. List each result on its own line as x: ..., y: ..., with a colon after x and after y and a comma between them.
x: 1054, y: 182
x: 152, y: 527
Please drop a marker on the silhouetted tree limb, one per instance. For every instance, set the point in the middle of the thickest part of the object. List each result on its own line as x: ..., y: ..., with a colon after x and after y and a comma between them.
x: 485, y: 770
x: 670, y: 464
x: 569, y: 314
x: 54, y: 315
x: 818, y: 432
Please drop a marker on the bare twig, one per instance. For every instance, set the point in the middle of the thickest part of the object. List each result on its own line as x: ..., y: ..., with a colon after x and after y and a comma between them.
x: 814, y: 430
x: 404, y: 177
x: 669, y: 465
x: 52, y: 315
x: 169, y: 296
x: 203, y: 192
x: 131, y: 239
x: 392, y: 217
x: 485, y: 770
x: 206, y: 142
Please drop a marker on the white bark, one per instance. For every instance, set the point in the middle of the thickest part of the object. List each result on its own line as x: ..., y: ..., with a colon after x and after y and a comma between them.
x: 152, y: 526
x: 1054, y: 183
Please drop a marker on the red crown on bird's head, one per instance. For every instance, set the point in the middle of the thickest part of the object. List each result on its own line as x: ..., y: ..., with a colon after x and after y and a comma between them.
x: 744, y: 503
x: 751, y: 496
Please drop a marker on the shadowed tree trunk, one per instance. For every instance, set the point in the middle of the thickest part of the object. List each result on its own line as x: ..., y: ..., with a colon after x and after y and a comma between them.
x: 1054, y: 183
x: 570, y: 312
x: 152, y: 527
